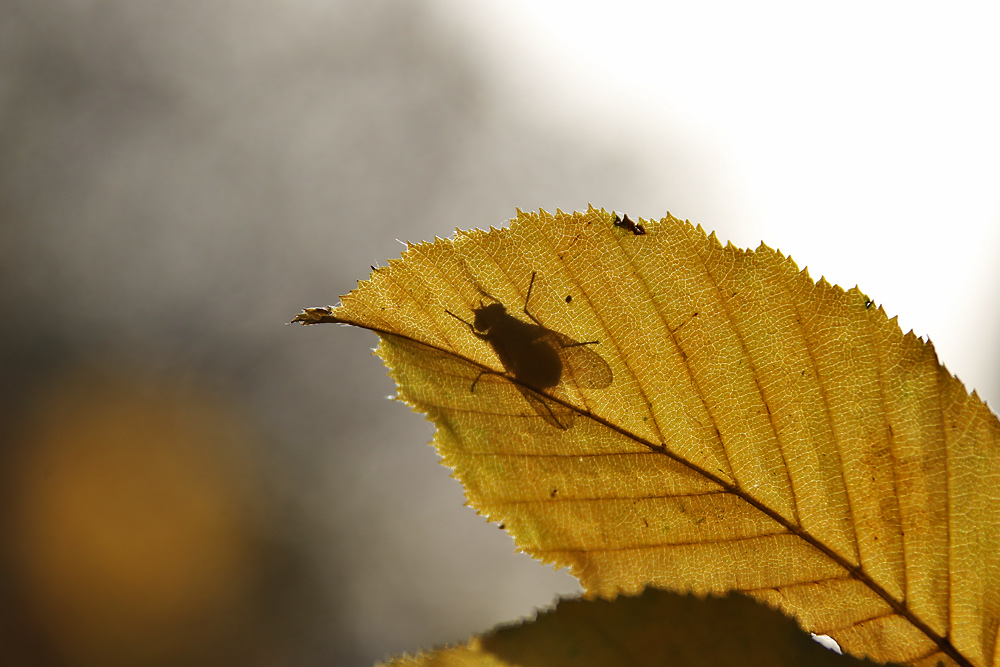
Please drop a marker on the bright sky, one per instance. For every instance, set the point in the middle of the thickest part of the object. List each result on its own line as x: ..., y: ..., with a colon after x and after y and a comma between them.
x: 860, y: 137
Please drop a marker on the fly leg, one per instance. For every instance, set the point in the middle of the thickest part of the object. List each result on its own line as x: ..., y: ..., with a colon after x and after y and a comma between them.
x: 480, y: 336
x: 527, y: 298
x: 539, y: 323
x: 576, y: 344
x: 472, y: 389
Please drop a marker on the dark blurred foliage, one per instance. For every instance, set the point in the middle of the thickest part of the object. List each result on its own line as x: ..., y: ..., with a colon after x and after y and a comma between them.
x: 184, y: 479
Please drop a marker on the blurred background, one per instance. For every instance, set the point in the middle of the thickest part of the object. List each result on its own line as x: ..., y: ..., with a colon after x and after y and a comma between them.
x: 186, y: 480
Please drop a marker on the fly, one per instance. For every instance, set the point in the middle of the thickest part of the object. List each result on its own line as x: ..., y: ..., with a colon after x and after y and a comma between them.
x: 627, y: 223
x: 537, y: 357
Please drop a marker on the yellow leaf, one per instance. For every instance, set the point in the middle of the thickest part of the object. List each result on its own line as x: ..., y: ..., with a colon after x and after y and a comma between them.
x: 761, y: 433
x: 654, y: 628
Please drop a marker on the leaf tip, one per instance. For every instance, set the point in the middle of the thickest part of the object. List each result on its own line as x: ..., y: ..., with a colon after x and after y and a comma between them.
x: 316, y: 315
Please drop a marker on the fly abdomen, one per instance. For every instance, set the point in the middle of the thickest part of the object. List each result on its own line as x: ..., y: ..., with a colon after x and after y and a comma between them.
x: 536, y: 364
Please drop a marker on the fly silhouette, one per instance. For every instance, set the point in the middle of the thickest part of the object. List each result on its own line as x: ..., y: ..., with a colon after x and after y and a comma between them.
x: 537, y: 357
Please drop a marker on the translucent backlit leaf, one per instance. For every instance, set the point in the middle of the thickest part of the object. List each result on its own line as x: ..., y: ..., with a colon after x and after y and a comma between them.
x: 761, y: 432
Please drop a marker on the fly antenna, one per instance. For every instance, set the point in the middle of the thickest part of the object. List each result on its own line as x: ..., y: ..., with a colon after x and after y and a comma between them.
x: 463, y: 321
x: 479, y: 288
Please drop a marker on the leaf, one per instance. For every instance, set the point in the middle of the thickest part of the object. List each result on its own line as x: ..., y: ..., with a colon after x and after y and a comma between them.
x: 762, y: 433
x: 654, y: 628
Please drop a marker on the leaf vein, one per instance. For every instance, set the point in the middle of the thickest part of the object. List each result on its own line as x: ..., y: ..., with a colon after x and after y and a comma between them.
x: 607, y: 331
x: 947, y: 464
x: 884, y: 398
x: 684, y: 359
x: 723, y: 301
x: 664, y: 545
x: 829, y: 418
x: 797, y: 584
x: 597, y: 499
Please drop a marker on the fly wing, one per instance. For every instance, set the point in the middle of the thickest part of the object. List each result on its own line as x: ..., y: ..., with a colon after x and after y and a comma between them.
x: 587, y: 368
x: 554, y: 413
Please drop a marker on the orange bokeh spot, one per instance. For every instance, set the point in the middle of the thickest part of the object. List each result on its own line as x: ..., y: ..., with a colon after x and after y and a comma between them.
x: 129, y: 529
